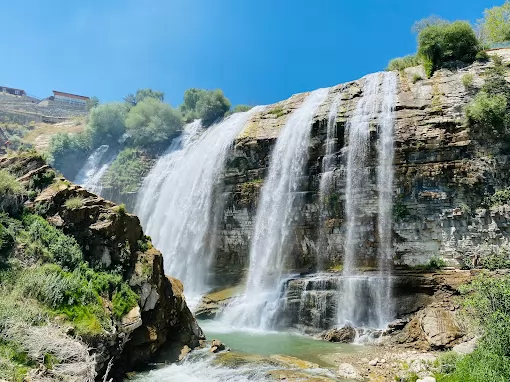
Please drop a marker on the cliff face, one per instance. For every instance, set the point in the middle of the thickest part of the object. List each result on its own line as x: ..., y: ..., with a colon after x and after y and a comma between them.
x: 442, y: 174
x: 113, y: 241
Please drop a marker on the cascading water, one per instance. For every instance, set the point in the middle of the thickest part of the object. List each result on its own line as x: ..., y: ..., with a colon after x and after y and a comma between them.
x: 95, y: 167
x: 273, y: 226
x: 385, y: 154
x: 366, y: 298
x: 187, y: 199
x: 151, y: 187
x: 325, y: 187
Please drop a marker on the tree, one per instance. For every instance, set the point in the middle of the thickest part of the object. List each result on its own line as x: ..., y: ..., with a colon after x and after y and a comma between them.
x: 241, y: 108
x: 420, y: 25
x: 443, y: 43
x: 495, y: 26
x: 106, y: 123
x: 152, y: 121
x: 142, y: 94
x: 92, y: 102
x: 211, y: 106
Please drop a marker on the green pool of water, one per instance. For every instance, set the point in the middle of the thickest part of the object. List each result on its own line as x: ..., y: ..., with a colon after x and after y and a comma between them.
x: 268, y: 343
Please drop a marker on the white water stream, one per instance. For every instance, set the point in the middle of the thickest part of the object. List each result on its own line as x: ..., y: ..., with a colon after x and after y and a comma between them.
x: 275, y: 213
x: 180, y: 201
x: 366, y: 300
x: 90, y: 175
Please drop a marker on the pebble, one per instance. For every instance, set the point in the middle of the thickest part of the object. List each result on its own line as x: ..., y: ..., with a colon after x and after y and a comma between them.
x: 426, y: 379
x: 373, y: 362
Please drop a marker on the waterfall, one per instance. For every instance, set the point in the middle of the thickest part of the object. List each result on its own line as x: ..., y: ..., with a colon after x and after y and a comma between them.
x: 185, y: 192
x: 365, y: 298
x: 90, y: 174
x: 385, y: 155
x: 325, y: 187
x: 149, y: 193
x: 273, y: 225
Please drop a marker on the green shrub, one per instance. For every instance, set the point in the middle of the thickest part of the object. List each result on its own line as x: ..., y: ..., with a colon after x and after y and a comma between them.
x: 499, y: 259
x: 106, y: 123
x: 482, y: 56
x: 446, y: 43
x: 500, y: 197
x: 416, y: 78
x: 488, y: 112
x: 467, y: 80
x: 74, y: 203
x: 208, y: 105
x: 402, y: 63
x: 65, y: 150
x: 436, y: 262
x: 211, y: 106
x: 487, y: 301
x: 152, y: 121
x: 123, y: 301
x: 51, y: 243
x: 120, y: 209
x: 126, y: 171
x: 11, y: 192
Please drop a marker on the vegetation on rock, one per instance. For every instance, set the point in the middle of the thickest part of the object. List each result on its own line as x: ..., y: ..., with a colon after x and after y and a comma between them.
x: 495, y: 26
x: 127, y: 171
x: 487, y: 302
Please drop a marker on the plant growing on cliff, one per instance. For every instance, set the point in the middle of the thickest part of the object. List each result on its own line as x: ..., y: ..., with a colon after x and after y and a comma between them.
x: 446, y: 43
x: 152, y: 121
x: 74, y: 203
x: 401, y: 63
x: 11, y: 192
x: 467, y: 80
x: 126, y: 172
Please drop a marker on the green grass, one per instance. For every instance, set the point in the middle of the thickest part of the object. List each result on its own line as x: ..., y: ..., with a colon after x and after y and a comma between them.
x: 74, y: 203
x: 467, y: 80
x: 402, y: 63
x: 277, y: 111
x: 14, y: 362
x: 11, y: 192
x: 123, y: 301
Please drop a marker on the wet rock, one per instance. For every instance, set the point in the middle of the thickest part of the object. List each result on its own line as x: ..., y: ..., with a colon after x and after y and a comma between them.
x: 216, y: 346
x: 347, y: 334
x: 184, y: 352
x: 347, y: 371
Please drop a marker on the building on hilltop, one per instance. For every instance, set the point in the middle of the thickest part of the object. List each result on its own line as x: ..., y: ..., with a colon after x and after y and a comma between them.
x: 12, y: 91
x: 69, y: 98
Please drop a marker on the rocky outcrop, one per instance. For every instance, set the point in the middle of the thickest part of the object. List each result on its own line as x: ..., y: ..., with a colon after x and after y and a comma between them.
x: 113, y: 240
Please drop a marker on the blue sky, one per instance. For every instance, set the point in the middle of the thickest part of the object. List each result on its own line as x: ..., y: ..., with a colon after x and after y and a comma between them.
x: 257, y: 51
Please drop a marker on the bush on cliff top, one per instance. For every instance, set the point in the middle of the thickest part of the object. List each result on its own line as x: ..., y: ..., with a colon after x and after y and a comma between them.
x: 447, y: 43
x: 495, y: 26
x: 152, y: 121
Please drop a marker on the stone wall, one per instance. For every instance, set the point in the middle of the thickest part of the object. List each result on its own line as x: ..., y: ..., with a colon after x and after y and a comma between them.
x: 442, y: 175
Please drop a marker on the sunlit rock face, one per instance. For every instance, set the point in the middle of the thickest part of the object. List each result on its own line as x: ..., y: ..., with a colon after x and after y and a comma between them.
x: 442, y: 174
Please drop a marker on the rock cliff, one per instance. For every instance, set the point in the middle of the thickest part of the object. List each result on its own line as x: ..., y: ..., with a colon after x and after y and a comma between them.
x: 112, y: 241
x: 443, y: 171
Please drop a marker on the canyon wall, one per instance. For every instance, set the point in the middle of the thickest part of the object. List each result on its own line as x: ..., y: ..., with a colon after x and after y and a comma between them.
x: 443, y: 172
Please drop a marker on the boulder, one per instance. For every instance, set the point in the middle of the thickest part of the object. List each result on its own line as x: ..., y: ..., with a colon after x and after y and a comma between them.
x: 216, y: 346
x: 426, y: 379
x: 347, y: 335
x: 440, y: 327
x: 347, y: 371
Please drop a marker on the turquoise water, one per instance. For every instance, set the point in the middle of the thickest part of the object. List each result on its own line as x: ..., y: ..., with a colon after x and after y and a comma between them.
x: 201, y: 365
x: 268, y: 343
